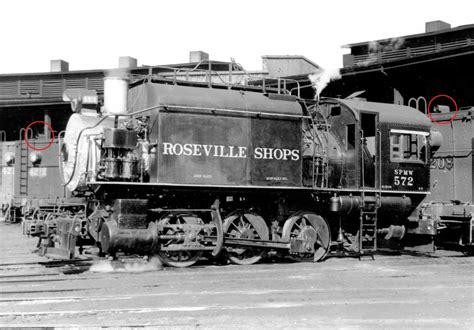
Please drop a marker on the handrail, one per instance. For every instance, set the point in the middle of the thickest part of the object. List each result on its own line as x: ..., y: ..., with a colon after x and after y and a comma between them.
x: 22, y: 133
x: 418, y: 102
x: 379, y: 158
x: 362, y: 164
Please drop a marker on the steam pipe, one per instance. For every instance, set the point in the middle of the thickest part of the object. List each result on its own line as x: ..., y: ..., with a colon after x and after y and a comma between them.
x: 47, y: 120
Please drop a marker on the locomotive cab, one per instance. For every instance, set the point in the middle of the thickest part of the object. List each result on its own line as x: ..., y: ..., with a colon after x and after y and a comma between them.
x: 385, y: 146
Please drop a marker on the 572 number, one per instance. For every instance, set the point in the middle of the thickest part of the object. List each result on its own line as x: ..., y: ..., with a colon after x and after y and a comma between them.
x: 399, y: 180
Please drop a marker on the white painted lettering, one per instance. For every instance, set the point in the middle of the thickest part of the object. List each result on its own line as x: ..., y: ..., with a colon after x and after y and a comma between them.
x: 278, y: 154
x: 197, y: 150
x: 231, y: 152
x: 177, y: 149
x: 295, y: 154
x: 207, y: 149
x: 187, y: 149
x: 242, y: 152
x: 267, y: 153
x: 222, y: 151
x: 167, y: 148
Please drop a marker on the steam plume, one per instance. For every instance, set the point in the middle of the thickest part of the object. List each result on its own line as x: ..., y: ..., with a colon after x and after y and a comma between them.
x: 321, y: 78
x: 376, y: 47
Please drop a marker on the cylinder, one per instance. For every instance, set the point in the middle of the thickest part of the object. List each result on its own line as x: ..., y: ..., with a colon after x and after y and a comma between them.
x: 113, y: 238
x: 115, y: 93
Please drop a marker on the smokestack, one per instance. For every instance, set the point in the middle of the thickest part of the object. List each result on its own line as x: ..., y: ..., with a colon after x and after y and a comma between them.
x: 116, y: 92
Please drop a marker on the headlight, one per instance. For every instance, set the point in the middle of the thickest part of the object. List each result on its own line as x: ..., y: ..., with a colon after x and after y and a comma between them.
x: 35, y: 158
x: 9, y: 158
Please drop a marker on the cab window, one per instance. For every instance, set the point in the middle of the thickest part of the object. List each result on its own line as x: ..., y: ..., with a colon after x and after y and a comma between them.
x: 407, y: 146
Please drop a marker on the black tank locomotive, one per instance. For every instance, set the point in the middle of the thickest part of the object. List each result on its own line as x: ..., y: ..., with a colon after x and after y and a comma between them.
x: 281, y: 173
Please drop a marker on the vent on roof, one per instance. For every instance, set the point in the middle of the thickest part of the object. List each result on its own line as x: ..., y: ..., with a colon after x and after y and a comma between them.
x: 434, y: 26
x: 59, y: 66
x: 198, y: 56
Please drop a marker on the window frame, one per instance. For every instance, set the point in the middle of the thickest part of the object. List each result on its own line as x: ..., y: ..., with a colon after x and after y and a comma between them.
x: 406, y: 132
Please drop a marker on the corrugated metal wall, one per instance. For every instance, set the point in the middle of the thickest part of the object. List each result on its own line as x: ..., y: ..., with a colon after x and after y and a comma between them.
x: 29, y: 87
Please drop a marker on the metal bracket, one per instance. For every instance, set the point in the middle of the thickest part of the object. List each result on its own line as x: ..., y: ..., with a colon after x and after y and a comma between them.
x: 217, y: 219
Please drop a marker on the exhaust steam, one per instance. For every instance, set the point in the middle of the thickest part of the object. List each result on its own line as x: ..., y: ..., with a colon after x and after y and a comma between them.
x: 107, y: 266
x: 321, y: 78
x: 376, y: 47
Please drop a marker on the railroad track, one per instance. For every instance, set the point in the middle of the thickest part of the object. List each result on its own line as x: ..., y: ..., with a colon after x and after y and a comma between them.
x: 392, y: 291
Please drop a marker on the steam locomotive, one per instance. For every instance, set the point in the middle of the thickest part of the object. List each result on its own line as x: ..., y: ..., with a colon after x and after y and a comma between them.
x: 184, y: 170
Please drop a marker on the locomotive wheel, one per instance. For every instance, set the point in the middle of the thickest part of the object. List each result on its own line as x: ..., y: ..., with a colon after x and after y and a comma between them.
x: 183, y: 258
x: 243, y: 224
x: 298, y: 224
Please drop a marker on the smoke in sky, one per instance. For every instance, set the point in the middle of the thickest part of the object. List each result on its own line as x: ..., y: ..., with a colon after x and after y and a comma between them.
x: 376, y: 47
x: 321, y: 78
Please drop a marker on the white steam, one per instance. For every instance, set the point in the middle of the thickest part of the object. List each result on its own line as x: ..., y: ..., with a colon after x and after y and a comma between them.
x: 376, y: 47
x: 107, y: 266
x: 321, y: 78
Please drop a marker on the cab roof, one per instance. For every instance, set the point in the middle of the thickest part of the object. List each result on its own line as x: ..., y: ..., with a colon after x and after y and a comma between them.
x: 388, y: 113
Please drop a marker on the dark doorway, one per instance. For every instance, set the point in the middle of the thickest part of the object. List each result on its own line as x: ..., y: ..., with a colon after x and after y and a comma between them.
x: 369, y: 148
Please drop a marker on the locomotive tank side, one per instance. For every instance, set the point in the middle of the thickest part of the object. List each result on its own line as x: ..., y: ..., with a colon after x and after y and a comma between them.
x: 212, y: 137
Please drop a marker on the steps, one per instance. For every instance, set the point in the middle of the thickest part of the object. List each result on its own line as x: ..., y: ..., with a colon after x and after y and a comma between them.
x: 368, y: 227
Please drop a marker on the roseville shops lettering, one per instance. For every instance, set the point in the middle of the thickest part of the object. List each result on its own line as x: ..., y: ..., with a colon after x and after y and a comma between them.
x: 210, y: 150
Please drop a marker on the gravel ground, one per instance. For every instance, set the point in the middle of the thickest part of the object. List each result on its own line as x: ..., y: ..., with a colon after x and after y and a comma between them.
x: 401, y: 291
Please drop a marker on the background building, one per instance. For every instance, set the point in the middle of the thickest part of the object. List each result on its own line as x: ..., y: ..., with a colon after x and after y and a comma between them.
x: 397, y: 69
x: 25, y: 98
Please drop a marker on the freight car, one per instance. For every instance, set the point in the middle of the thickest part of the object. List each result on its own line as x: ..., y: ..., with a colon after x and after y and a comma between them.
x: 29, y: 176
x: 281, y: 173
x: 450, y: 201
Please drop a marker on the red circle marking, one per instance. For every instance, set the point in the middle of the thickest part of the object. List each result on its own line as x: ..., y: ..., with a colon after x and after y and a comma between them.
x: 25, y: 135
x: 443, y: 122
